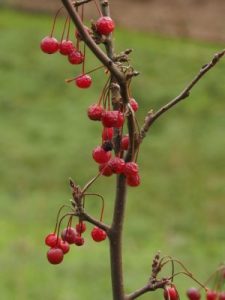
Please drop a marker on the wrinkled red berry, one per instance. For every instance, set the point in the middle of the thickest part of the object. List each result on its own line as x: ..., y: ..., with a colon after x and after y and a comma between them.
x: 105, y: 25
x: 98, y: 234
x: 105, y: 169
x: 95, y: 112
x: 170, y: 293
x: 66, y: 47
x: 100, y: 155
x: 49, y: 45
x: 69, y: 234
x: 117, y: 165
x: 64, y: 246
x: 131, y: 168
x: 211, y: 295
x: 193, y: 294
x: 55, y: 256
x: 81, y: 227
x: 112, y: 118
x: 79, y: 241
x: 134, y: 104
x: 107, y: 133
x: 75, y: 57
x: 125, y: 143
x: 83, y: 81
x: 133, y: 180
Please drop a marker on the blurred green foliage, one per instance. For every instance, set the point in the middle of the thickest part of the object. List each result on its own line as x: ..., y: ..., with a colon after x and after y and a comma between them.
x: 46, y: 138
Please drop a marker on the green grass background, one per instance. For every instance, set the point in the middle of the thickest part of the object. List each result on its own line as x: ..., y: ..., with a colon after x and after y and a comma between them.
x: 46, y: 138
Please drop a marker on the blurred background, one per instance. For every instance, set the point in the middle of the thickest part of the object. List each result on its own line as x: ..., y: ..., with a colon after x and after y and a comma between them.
x: 46, y: 138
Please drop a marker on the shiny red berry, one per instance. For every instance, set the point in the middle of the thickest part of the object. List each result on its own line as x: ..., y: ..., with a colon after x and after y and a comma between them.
x: 134, y: 104
x: 107, y: 133
x: 64, y: 246
x: 55, y: 256
x: 95, y: 112
x: 66, y: 47
x: 211, y: 295
x: 170, y: 293
x: 117, y: 165
x: 105, y: 169
x: 133, y: 180
x: 51, y: 240
x: 130, y: 169
x: 69, y: 234
x: 112, y: 118
x: 75, y: 57
x: 98, y: 234
x: 83, y: 81
x: 100, y: 155
x: 193, y: 294
x: 79, y: 241
x: 222, y: 296
x: 105, y: 25
x: 125, y: 143
x: 49, y: 45
x: 81, y: 227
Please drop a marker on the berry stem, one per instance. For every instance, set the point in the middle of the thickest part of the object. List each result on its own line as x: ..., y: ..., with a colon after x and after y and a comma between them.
x: 54, y: 21
x: 68, y: 30
x: 90, y: 182
x: 89, y: 72
x: 83, y: 64
x: 64, y: 28
x: 58, y: 214
x: 98, y: 8
x: 103, y: 204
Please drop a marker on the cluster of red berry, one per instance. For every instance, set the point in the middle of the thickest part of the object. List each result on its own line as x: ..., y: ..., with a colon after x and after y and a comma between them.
x: 66, y: 47
x: 70, y: 235
x: 113, y: 119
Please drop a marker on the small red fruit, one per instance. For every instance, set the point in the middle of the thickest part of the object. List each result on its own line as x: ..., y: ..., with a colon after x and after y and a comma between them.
x: 112, y: 118
x: 105, y: 25
x: 100, y: 155
x: 133, y: 180
x: 51, y: 239
x: 117, y: 165
x: 211, y: 295
x: 83, y: 81
x: 193, y: 294
x: 66, y: 47
x: 69, y: 235
x: 75, y: 57
x: 222, y: 296
x: 64, y: 246
x: 98, y: 234
x: 134, y: 104
x: 79, y: 241
x: 81, y: 227
x: 49, y: 45
x: 107, y: 133
x: 105, y: 169
x: 95, y: 112
x: 131, y: 168
x: 170, y: 293
x: 55, y: 256
x: 125, y: 143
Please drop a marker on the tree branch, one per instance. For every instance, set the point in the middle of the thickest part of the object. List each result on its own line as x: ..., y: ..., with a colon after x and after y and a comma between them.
x: 152, y: 117
x: 86, y: 217
x: 80, y: 2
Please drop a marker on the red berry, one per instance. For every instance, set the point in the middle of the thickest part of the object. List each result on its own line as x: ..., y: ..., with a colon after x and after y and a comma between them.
x: 100, y: 155
x: 95, y: 112
x: 222, y: 296
x: 79, y: 241
x: 193, y: 294
x: 134, y: 104
x: 64, y: 246
x: 51, y: 240
x: 107, y: 133
x: 75, y: 57
x: 211, y: 295
x: 131, y: 168
x: 125, y: 143
x: 49, y: 45
x: 98, y: 234
x: 117, y: 165
x: 133, y: 180
x: 55, y: 256
x: 105, y: 25
x: 112, y: 118
x: 66, y: 47
x: 84, y: 81
x: 105, y: 169
x: 170, y: 293
x: 81, y: 227
x: 69, y: 235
